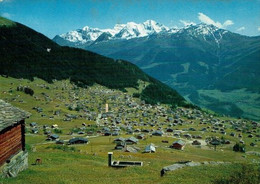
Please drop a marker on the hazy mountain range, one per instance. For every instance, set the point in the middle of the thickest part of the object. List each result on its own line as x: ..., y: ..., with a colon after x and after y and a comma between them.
x: 211, y: 67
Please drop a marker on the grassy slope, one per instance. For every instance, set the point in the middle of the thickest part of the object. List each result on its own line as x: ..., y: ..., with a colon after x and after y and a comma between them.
x: 82, y: 166
x: 6, y: 22
x: 247, y: 101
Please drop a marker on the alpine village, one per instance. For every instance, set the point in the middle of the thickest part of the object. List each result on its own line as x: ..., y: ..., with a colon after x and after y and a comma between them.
x: 69, y: 115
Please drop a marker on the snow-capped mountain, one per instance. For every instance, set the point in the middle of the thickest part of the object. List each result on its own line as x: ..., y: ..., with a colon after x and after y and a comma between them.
x: 204, y: 31
x: 120, y: 31
x: 130, y: 30
x: 134, y: 30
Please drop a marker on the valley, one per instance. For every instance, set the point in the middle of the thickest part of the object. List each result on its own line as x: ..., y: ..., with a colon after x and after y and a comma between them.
x: 81, y: 112
x: 191, y: 59
x: 83, y: 105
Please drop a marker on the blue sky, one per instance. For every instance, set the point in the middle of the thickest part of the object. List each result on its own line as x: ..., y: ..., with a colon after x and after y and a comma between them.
x: 52, y: 17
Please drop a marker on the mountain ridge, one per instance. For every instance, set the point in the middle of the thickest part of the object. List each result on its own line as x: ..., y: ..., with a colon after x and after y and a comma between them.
x: 131, y: 30
x: 26, y: 53
x: 194, y: 59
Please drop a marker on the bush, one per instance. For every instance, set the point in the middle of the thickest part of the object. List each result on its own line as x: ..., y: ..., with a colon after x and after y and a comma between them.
x: 78, y: 108
x: 57, y: 131
x: 29, y: 91
x: 239, y: 148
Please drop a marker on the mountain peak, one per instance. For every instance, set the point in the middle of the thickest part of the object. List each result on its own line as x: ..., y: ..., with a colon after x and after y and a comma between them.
x: 120, y: 31
x: 150, y: 22
x: 130, y: 30
x: 201, y: 29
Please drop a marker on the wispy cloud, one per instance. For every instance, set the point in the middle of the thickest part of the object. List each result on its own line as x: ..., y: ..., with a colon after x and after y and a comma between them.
x: 207, y: 20
x: 187, y: 22
x: 241, y: 29
x: 227, y: 23
x: 6, y: 15
x: 258, y: 28
x: 5, y: 1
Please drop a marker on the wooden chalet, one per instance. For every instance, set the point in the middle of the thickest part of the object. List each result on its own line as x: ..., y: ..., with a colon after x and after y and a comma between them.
x: 150, y: 148
x: 13, y: 156
x: 78, y: 140
x: 131, y: 140
x: 179, y: 144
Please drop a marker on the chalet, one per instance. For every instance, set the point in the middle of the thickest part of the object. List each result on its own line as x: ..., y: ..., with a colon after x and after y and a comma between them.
x: 169, y: 130
x: 137, y: 130
x: 227, y: 142
x: 196, y: 142
x: 107, y: 133
x: 188, y: 136
x: 140, y: 136
x: 81, y: 132
x: 150, y: 148
x: 179, y: 144
x: 131, y: 140
x: 45, y: 127
x: 129, y: 131
x: 130, y: 149
x: 115, y: 133
x: 252, y: 144
x: 196, y: 136
x: 176, y: 134
x: 47, y: 132
x: 60, y: 142
x: 120, y: 145
x: 35, y: 130
x: 232, y: 134
x: 55, y: 126
x: 53, y: 137
x: 13, y: 156
x: 250, y: 136
x: 157, y: 133
x: 120, y: 139
x: 145, y: 130
x: 33, y: 124
x: 78, y: 140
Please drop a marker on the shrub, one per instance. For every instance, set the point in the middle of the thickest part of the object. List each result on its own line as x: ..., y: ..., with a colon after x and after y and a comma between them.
x: 239, y: 148
x: 57, y: 131
x: 78, y: 108
x: 29, y: 91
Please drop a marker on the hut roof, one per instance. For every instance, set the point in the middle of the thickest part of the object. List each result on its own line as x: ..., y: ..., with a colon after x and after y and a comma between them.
x: 150, y: 148
x: 181, y: 142
x: 54, y: 136
x: 121, y: 139
x: 78, y: 139
x: 10, y: 115
x: 157, y: 132
x: 132, y: 139
x: 130, y: 149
